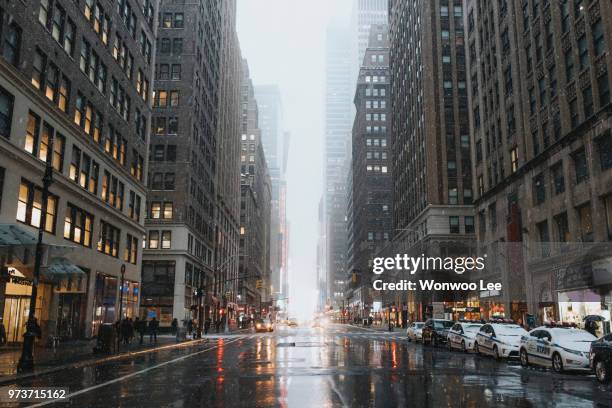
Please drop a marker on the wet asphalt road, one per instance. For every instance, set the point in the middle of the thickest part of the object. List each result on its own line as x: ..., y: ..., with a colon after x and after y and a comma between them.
x: 338, y: 366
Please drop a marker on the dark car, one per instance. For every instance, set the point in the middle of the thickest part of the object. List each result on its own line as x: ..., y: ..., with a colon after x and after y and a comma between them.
x: 435, y: 331
x: 601, y: 358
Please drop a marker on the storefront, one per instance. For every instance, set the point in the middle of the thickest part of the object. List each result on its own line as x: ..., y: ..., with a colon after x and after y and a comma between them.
x: 468, y: 310
x: 105, y: 298
x: 575, y: 305
x: 17, y: 294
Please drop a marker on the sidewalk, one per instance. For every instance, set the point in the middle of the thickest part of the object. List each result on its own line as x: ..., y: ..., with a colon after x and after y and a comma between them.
x: 79, y: 353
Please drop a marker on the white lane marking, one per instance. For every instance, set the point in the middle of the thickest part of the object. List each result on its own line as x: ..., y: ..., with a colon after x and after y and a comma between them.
x: 125, y: 377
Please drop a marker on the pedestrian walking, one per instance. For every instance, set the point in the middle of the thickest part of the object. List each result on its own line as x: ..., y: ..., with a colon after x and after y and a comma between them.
x: 153, y: 326
x: 174, y: 326
x: 206, y: 325
x: 141, y: 327
x: 125, y: 331
x: 190, y: 327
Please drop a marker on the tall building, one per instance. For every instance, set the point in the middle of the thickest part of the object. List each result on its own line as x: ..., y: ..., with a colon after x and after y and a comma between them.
x: 180, y: 250
x: 74, y: 93
x: 431, y: 142
x: 540, y: 125
x: 275, y: 144
x: 228, y: 159
x: 365, y: 13
x: 337, y: 144
x: 370, y: 210
x: 255, y: 207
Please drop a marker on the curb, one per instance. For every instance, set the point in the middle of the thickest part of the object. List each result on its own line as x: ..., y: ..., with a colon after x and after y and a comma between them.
x: 93, y: 361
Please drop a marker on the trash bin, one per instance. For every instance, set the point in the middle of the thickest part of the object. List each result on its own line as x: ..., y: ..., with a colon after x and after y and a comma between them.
x: 106, y: 338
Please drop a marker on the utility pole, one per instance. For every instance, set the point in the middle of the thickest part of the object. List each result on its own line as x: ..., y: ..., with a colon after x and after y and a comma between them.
x: 120, y: 306
x: 26, y: 362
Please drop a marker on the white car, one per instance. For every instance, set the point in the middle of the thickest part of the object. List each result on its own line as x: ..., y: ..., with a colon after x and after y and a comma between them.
x: 557, y: 347
x: 462, y: 335
x: 500, y: 340
x: 415, y: 331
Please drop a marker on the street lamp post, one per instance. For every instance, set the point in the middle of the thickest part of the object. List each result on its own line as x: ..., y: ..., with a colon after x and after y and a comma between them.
x: 26, y: 362
x: 120, y: 305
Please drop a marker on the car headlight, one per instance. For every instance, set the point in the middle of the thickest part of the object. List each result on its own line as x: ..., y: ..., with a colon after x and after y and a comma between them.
x: 258, y: 325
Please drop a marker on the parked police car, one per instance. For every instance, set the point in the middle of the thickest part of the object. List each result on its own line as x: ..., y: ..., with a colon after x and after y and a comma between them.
x: 562, y: 348
x: 462, y: 335
x: 499, y: 339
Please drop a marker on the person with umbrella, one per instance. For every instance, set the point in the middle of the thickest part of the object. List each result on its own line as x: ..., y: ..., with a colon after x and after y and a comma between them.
x: 590, y: 323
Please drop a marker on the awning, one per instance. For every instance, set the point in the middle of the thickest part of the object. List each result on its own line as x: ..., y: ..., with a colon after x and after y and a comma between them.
x: 12, y: 235
x: 61, y: 269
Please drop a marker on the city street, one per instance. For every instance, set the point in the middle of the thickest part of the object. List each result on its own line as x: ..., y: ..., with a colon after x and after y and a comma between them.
x: 315, y: 367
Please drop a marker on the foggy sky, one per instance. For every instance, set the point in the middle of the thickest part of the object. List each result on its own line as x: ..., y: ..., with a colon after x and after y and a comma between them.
x: 284, y: 42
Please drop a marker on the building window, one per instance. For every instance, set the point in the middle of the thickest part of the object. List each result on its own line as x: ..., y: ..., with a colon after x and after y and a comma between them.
x: 599, y: 44
x: 2, y: 173
x: 168, y: 210
x: 155, y: 212
x: 32, y: 131
x: 539, y: 189
x: 453, y: 196
x: 131, y: 250
x: 29, y: 206
x: 166, y: 239
x: 603, y: 87
x: 153, y: 239
x: 604, y: 146
x: 587, y: 100
x: 563, y: 234
x: 569, y: 65
x: 607, y: 204
x: 469, y: 225
x: 581, y: 166
x: 558, y: 178
x: 39, y: 63
x: 583, y: 52
x: 514, y: 159
x: 134, y: 206
x: 544, y: 238
x: 454, y: 224
x: 77, y: 225
x: 12, y: 43
x: 108, y: 242
x: 586, y: 223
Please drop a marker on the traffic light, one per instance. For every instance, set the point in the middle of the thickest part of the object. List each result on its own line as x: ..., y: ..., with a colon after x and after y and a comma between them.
x: 354, y: 277
x: 259, y: 284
